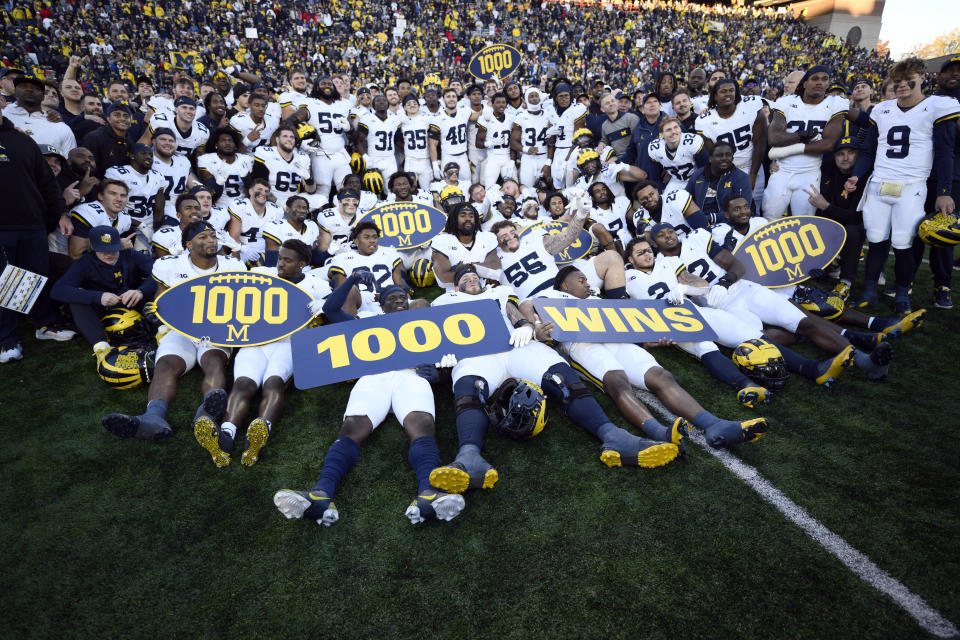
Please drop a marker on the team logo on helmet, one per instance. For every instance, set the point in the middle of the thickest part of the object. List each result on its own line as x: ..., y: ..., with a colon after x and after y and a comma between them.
x: 518, y: 409
x: 126, y: 367
x: 373, y: 181
x: 941, y: 230
x: 816, y: 300
x: 421, y: 274
x: 762, y: 362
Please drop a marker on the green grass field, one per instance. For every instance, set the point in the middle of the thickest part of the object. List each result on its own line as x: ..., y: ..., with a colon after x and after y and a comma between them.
x: 108, y: 538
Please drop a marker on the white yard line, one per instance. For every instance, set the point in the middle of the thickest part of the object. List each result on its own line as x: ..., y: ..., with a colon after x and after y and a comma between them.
x: 925, y: 615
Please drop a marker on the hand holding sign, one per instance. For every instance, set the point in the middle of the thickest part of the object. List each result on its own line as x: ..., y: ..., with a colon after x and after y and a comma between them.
x: 785, y: 251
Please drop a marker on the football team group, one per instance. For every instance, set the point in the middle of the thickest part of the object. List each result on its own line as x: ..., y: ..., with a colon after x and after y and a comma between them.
x: 118, y: 200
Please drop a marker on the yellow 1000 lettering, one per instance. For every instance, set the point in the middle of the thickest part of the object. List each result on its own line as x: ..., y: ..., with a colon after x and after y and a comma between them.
x: 771, y: 254
x: 495, y: 62
x: 246, y: 306
x: 415, y: 336
x: 392, y: 224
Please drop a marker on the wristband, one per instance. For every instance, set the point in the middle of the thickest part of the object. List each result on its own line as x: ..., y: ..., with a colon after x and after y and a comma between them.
x: 728, y: 279
x: 522, y: 322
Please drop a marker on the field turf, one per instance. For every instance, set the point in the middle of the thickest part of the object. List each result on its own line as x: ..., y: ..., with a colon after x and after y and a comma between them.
x: 110, y: 538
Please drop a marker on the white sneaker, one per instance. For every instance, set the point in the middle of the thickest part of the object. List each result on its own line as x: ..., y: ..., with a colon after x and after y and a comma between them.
x: 293, y: 504
x: 60, y: 335
x: 11, y: 354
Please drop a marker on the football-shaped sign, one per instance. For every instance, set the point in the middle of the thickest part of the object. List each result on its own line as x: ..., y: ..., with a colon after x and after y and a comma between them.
x: 579, y: 248
x: 406, y: 225
x: 235, y: 308
x: 785, y: 251
x: 497, y: 60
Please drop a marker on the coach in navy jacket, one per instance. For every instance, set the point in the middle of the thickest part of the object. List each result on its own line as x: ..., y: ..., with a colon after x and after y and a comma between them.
x: 714, y: 183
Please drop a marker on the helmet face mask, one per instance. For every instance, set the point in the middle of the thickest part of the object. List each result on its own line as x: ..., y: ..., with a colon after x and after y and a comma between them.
x: 762, y: 362
x: 518, y: 409
x: 588, y: 162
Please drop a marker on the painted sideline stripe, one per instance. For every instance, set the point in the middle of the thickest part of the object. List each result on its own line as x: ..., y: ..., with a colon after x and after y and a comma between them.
x: 925, y: 615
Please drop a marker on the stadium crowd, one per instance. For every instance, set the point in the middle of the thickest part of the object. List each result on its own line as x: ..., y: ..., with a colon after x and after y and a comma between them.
x: 144, y: 144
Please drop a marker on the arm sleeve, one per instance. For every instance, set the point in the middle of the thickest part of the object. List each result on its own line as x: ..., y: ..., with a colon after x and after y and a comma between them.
x: 67, y: 288
x: 54, y: 206
x: 944, y: 135
x: 144, y: 265
x: 333, y: 305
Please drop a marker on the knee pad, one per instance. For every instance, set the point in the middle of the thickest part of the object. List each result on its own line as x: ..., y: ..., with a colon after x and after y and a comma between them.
x: 564, y: 384
x: 470, y: 392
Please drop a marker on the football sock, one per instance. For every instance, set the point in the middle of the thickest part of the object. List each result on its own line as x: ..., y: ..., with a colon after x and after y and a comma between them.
x: 424, y: 457
x: 472, y: 424
x: 587, y: 413
x: 652, y: 428
x: 873, y: 265
x: 704, y: 420
x: 340, y: 458
x: 875, y: 324
x: 723, y: 369
x: 616, y: 293
x: 157, y: 408
x: 798, y: 364
x: 904, y: 266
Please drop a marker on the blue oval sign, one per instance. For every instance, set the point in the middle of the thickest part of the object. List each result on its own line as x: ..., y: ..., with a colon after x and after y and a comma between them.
x: 497, y: 60
x: 579, y: 248
x: 783, y: 252
x: 406, y: 225
x: 235, y: 308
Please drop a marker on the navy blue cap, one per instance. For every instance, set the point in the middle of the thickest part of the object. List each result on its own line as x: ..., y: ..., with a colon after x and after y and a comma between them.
x: 451, y: 165
x: 24, y: 79
x: 362, y: 90
x: 561, y: 88
x: 195, y: 228
x: 184, y: 100
x: 657, y: 228
x: 105, y: 238
x: 164, y: 131
x: 410, y: 97
x: 120, y: 104
x: 142, y: 147
x: 386, y: 291
x: 349, y: 193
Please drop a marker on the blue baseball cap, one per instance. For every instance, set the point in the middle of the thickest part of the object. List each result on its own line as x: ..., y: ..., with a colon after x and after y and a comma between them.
x: 105, y: 238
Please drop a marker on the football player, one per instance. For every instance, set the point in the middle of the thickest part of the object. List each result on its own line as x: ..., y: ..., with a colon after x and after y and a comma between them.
x: 462, y: 242
x: 616, y: 367
x: 284, y: 167
x: 569, y: 118
x: 414, y: 127
x: 176, y: 354
x: 296, y: 95
x: 451, y: 178
x: 404, y: 393
x: 676, y: 153
x: 173, y: 168
x: 474, y: 102
x: 145, y: 200
x: 493, y: 135
x: 448, y: 134
x: 294, y: 226
x: 109, y: 209
x: 256, y: 126
x: 336, y: 223
x: 475, y: 379
x: 738, y: 120
x: 223, y: 168
x: 376, y: 138
x: 613, y: 174
x: 529, y: 138
x: 608, y: 216
x: 805, y: 126
x: 326, y: 113
x: 401, y: 188
x: 188, y: 134
x: 714, y: 183
x: 915, y: 136
x: 677, y: 208
x: 267, y: 367
x: 249, y: 216
x: 168, y: 241
x: 385, y: 262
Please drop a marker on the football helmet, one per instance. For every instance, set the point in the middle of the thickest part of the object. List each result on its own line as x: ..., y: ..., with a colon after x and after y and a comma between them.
x: 816, y: 300
x: 125, y: 367
x: 421, y: 273
x: 940, y: 230
x: 451, y: 196
x: 583, y: 138
x: 373, y: 181
x: 588, y: 161
x: 306, y: 132
x: 357, y: 164
x: 125, y: 327
x: 518, y: 409
x: 762, y: 362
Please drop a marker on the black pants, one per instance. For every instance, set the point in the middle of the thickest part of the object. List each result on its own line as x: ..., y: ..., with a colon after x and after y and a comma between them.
x: 941, y: 258
x: 850, y: 254
x: 26, y: 249
x: 87, y: 318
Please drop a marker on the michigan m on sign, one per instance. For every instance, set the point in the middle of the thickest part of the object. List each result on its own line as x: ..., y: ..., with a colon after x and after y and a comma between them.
x: 785, y: 251
x: 597, y: 320
x: 406, y: 225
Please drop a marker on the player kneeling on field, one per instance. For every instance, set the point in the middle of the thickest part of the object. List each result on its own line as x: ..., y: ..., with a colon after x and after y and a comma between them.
x: 266, y: 366
x: 403, y: 392
x: 176, y: 353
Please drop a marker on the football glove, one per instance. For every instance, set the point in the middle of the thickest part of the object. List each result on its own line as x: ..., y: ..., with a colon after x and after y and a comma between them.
x: 345, y: 124
x: 249, y: 253
x: 677, y: 294
x: 447, y: 361
x: 315, y: 307
x: 428, y: 372
x: 521, y: 336
x: 717, y: 295
x: 364, y: 277
x: 437, y: 174
x: 334, y: 247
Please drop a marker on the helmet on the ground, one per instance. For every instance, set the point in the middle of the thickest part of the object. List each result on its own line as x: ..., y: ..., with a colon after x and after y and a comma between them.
x: 518, y: 409
x: 762, y: 362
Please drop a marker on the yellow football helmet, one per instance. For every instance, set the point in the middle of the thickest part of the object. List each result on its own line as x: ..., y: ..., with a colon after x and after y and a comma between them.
x: 762, y: 362
x: 583, y: 137
x: 125, y: 367
x: 584, y: 158
x: 451, y: 196
x: 373, y: 181
x: 940, y: 230
x: 421, y: 274
x: 125, y: 326
x: 357, y: 164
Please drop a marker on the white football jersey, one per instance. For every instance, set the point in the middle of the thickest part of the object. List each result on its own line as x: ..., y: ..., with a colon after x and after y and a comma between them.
x: 452, y: 131
x: 219, y: 218
x: 673, y: 206
x: 729, y: 238
x: 291, y: 98
x: 567, y: 123
x: 281, y: 231
x: 502, y: 295
x: 498, y: 134
x: 679, y: 163
x: 243, y: 124
x: 654, y: 284
x: 415, y: 137
x: 143, y: 189
x: 169, y: 239
x: 533, y: 130
x: 92, y: 214
x: 285, y: 177
x: 197, y: 136
x: 336, y: 225
x: 325, y: 118
x: 456, y: 252
x: 695, y: 256
x: 801, y: 116
x: 230, y: 175
x: 614, y: 218
x: 380, y: 134
x: 531, y: 268
x: 737, y: 129
x: 252, y: 223
x: 609, y: 175
x: 316, y: 288
x: 175, y: 175
x: 381, y: 262
x: 905, y: 138
x: 172, y: 270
